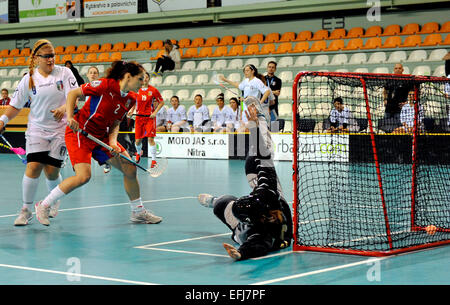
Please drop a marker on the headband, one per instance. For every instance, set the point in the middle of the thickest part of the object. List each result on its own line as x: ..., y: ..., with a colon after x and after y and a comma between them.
x: 38, y: 47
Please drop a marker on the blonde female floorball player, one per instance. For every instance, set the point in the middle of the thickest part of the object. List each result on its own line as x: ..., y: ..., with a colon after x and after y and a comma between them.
x: 111, y: 99
x: 47, y: 86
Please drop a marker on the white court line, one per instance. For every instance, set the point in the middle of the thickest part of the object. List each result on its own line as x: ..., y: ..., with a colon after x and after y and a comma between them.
x: 71, y: 274
x: 181, y: 240
x: 110, y: 205
x: 188, y: 252
x: 295, y: 276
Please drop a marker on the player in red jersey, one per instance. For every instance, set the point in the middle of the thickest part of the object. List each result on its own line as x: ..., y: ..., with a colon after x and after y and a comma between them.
x: 148, y: 103
x: 111, y: 99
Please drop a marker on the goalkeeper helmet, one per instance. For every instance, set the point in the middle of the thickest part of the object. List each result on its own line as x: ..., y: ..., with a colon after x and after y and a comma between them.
x: 256, y: 205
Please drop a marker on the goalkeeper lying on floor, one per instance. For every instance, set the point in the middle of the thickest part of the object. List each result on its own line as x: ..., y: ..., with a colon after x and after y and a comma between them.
x: 261, y: 222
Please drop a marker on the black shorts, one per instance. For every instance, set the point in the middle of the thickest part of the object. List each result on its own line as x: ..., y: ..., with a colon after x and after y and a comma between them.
x: 44, y: 158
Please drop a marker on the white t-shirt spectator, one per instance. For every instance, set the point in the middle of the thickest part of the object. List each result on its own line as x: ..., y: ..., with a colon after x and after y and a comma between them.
x: 161, y: 116
x: 198, y: 115
x: 407, y: 115
x: 220, y: 117
x: 340, y: 117
x: 236, y: 116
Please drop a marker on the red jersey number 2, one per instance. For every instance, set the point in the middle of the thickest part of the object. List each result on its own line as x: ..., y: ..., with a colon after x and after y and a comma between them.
x: 117, y: 109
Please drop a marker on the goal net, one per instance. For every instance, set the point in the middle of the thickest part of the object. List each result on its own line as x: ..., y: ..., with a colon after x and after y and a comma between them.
x: 371, y: 162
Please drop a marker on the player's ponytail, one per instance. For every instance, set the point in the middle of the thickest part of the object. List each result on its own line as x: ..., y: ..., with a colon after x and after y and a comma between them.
x: 119, y: 68
x: 31, y: 60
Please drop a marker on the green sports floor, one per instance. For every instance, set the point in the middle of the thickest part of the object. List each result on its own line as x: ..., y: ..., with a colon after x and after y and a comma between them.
x: 92, y: 242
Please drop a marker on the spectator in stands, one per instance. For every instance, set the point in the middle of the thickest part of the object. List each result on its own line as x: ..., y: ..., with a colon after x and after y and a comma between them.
x: 161, y: 120
x: 221, y: 115
x: 238, y: 120
x: 92, y: 73
x: 407, y: 116
x: 176, y: 116
x: 5, y: 98
x: 394, y: 99
x: 339, y: 116
x: 74, y: 70
x: 447, y: 64
x: 198, y: 116
x: 170, y: 60
x: 274, y: 83
x: 253, y: 85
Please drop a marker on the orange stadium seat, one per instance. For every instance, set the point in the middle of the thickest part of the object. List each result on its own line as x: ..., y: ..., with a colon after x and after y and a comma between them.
x: 58, y: 50
x: 304, y: 35
x: 78, y: 58
x: 446, y: 40
x: 116, y: 56
x: 197, y: 42
x: 91, y: 57
x: 300, y: 47
x: 157, y: 44
x: 94, y: 48
x: 20, y: 61
x: 103, y: 57
x: 354, y: 44
x: 184, y: 43
x: 82, y: 48
x: 372, y: 43
x: 70, y: 49
x: 106, y: 47
x: 1, y: 62
x: 236, y: 50
x: 25, y: 52
x: 211, y: 41
x: 143, y: 45
x: 226, y: 40
x: 336, y: 45
x: 4, y: 53
x: 318, y: 46
x: 131, y: 46
x: 288, y: 36
x: 410, y: 29
x: 256, y: 38
x: 158, y: 55
x: 14, y: 52
x: 355, y: 32
x: 391, y: 30
x: 118, y: 47
x: 251, y: 49
x: 320, y: 35
x: 220, y: 51
x: 272, y: 37
x: 429, y: 28
x: 205, y: 52
x: 8, y: 61
x: 283, y: 48
x: 411, y: 41
x: 267, y: 48
x: 66, y: 57
x: 432, y: 40
x: 190, y: 53
x: 338, y: 34
x: 241, y: 39
x: 392, y: 42
x: 373, y: 31
x: 57, y: 59
x: 445, y: 28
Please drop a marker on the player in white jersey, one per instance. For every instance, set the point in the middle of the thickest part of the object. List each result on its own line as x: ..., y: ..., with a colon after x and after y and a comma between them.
x: 176, y: 116
x: 221, y: 115
x: 198, y: 116
x: 47, y: 86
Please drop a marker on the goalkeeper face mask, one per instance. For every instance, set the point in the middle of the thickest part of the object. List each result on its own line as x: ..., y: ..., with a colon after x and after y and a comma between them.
x: 256, y: 207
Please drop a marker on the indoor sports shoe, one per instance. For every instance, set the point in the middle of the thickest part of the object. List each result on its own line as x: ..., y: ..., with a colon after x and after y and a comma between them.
x: 106, y: 168
x: 154, y: 164
x: 144, y: 216
x: 137, y: 157
x: 232, y: 251
x: 54, y: 209
x: 24, y: 217
x: 42, y: 213
x: 206, y: 200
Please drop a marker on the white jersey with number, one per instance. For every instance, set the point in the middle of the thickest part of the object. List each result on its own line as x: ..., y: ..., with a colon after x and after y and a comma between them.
x: 48, y: 94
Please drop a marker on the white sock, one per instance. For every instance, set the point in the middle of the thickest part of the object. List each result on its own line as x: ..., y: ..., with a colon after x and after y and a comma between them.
x: 138, y: 147
x: 53, y: 196
x: 136, y: 205
x: 152, y: 150
x: 29, y: 188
